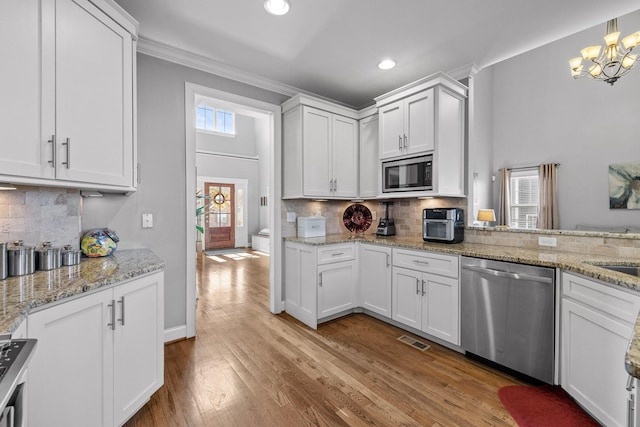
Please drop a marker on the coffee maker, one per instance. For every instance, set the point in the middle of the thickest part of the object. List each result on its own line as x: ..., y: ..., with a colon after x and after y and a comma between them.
x: 387, y: 226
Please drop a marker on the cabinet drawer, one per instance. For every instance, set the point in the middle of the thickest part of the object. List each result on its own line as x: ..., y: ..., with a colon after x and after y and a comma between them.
x: 428, y: 262
x: 336, y: 253
x: 616, y: 302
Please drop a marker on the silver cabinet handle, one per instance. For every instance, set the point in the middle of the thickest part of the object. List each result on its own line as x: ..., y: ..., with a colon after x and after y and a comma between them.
x: 405, y: 141
x: 400, y: 142
x: 112, y: 309
x: 121, y: 319
x: 388, y: 259
x: 53, y: 150
x: 417, y: 261
x: 68, y: 144
x: 417, y: 286
x: 335, y: 185
x: 423, y: 291
x: 320, y: 279
x: 338, y: 254
x: 629, y: 383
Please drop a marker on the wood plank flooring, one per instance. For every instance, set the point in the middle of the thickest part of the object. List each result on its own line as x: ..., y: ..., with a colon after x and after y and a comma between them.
x: 248, y: 367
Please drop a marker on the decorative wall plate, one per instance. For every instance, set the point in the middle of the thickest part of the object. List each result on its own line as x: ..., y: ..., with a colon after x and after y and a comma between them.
x: 357, y: 218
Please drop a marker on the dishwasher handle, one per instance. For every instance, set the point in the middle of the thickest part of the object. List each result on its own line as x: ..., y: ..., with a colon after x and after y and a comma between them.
x: 499, y: 273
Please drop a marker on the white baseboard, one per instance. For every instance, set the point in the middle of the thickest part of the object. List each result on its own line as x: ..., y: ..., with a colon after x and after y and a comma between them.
x: 175, y: 333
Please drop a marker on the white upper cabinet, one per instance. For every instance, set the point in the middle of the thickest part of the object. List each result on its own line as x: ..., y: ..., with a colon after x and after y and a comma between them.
x: 320, y: 150
x: 94, y: 89
x: 407, y: 126
x: 26, y: 105
x: 427, y: 117
x: 369, y: 171
x: 68, y: 112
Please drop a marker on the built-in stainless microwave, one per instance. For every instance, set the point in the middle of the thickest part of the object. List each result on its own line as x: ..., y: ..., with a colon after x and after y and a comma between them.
x: 412, y: 174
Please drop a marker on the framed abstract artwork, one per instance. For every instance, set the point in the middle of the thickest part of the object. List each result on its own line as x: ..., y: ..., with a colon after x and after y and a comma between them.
x: 624, y: 185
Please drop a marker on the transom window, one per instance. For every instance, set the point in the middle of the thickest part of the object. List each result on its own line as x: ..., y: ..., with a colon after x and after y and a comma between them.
x: 215, y: 120
x: 524, y: 198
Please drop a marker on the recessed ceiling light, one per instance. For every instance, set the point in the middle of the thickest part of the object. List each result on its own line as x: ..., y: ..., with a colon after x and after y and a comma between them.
x: 277, y: 7
x: 387, y: 64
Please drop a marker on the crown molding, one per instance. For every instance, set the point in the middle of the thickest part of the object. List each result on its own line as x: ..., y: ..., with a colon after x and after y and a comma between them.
x: 465, y: 71
x: 208, y: 65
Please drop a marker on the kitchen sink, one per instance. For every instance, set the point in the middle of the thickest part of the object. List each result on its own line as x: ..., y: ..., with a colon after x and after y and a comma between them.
x: 627, y: 269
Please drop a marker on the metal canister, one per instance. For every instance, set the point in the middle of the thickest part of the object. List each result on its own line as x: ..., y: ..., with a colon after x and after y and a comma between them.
x: 70, y: 256
x: 4, y: 268
x: 48, y: 257
x: 22, y: 259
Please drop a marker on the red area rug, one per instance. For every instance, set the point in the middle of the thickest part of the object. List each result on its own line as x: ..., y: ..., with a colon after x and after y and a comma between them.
x: 543, y: 406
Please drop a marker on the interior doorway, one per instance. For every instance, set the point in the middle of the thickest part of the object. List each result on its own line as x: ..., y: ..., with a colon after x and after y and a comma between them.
x: 271, y: 127
x: 219, y: 222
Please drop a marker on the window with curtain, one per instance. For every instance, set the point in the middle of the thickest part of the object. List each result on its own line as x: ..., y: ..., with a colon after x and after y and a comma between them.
x: 524, y: 197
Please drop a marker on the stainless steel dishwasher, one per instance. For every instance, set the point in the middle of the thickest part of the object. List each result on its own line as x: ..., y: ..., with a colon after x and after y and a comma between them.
x: 507, y: 313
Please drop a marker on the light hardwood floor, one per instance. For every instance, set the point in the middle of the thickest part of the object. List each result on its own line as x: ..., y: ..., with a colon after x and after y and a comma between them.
x: 248, y: 367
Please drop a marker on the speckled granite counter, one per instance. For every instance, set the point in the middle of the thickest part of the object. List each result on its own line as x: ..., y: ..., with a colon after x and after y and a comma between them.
x: 585, y: 264
x: 24, y: 293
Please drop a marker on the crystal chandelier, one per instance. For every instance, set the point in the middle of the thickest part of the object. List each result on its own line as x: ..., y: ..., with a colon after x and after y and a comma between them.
x: 614, y: 62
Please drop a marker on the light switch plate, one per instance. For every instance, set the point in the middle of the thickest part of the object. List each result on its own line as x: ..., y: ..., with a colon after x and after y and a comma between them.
x: 147, y: 221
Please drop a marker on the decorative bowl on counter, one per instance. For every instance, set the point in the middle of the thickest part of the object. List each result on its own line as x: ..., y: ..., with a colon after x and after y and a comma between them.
x: 99, y: 242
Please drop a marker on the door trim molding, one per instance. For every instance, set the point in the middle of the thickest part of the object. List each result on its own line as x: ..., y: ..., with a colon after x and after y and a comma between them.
x: 273, y: 112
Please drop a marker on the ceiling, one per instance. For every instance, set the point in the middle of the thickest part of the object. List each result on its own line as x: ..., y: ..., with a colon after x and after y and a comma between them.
x: 331, y: 48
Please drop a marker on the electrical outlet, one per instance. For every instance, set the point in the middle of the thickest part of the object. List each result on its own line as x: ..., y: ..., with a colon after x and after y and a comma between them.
x: 147, y: 221
x: 373, y: 215
x: 291, y: 217
x: 546, y: 241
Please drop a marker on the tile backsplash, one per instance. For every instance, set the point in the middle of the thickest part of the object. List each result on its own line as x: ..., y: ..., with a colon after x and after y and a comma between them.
x: 406, y: 212
x: 41, y: 214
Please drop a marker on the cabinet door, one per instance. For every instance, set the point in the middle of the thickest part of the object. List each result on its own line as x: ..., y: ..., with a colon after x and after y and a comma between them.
x: 441, y: 307
x: 138, y: 337
x: 301, y: 299
x: 593, y: 351
x: 375, y: 279
x: 71, y: 372
x: 344, y: 155
x: 316, y: 130
x: 406, y: 298
x: 391, y: 130
x: 26, y: 100
x: 336, y: 288
x: 419, y: 122
x: 94, y: 94
x: 369, y: 158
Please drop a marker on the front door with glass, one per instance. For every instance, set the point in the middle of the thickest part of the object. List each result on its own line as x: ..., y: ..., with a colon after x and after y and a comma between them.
x: 219, y: 219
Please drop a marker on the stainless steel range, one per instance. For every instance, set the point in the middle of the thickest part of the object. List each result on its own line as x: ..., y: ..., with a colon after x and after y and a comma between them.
x: 14, y: 358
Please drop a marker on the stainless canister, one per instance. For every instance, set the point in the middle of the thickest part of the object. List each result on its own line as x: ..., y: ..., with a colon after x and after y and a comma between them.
x: 22, y: 259
x: 48, y: 257
x: 4, y: 268
x: 70, y: 256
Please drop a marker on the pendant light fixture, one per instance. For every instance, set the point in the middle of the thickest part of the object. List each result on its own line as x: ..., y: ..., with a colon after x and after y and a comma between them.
x: 615, y: 60
x: 277, y: 7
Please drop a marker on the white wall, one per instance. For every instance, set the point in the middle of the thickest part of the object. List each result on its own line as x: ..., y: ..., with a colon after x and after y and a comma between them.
x: 543, y: 115
x: 161, y: 154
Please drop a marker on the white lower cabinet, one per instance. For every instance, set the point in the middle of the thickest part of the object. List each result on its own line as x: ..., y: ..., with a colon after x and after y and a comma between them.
x: 596, y: 326
x: 336, y: 288
x: 423, y: 300
x: 301, y: 299
x: 100, y: 357
x: 375, y: 279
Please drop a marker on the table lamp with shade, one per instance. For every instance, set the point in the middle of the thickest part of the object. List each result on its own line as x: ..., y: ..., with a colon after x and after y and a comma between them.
x: 486, y: 216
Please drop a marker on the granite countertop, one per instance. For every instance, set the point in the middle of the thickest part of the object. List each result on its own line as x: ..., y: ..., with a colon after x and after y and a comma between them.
x: 585, y: 264
x: 21, y: 294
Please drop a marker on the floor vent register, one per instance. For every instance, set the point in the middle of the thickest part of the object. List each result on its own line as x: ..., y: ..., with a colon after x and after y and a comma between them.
x: 413, y: 343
